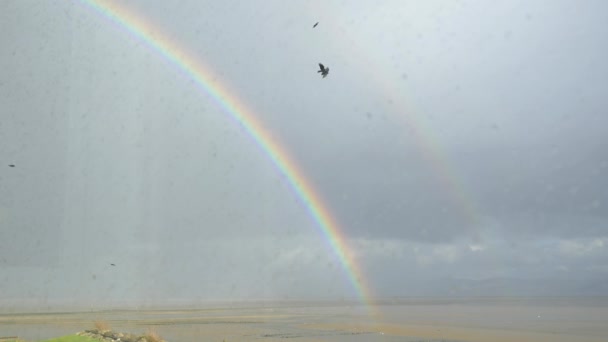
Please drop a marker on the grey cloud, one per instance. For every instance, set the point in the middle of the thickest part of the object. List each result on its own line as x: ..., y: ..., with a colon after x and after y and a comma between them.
x: 461, y: 147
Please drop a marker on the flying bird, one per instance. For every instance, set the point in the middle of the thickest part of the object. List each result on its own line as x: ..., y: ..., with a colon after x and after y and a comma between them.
x: 324, y: 71
x: 315, y: 25
x: 11, y: 165
x: 113, y: 264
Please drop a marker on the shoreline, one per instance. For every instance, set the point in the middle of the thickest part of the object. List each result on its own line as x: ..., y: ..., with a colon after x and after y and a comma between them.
x: 495, y: 319
x: 11, y: 308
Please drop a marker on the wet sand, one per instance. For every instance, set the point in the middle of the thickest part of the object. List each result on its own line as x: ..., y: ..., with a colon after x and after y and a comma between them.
x: 473, y: 320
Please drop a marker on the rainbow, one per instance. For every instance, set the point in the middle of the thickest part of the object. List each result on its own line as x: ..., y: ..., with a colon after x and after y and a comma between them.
x: 406, y: 115
x: 204, y: 77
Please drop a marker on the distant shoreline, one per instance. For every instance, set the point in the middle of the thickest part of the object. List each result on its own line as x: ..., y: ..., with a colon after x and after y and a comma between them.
x: 8, y: 308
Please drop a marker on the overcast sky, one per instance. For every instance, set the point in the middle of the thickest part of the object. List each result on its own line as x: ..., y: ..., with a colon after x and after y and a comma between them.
x: 461, y: 145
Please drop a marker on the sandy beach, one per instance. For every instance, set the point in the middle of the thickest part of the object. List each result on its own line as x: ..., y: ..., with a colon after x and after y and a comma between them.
x: 473, y: 320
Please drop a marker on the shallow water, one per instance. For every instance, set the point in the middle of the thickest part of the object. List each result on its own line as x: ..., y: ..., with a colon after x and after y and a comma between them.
x: 419, y: 319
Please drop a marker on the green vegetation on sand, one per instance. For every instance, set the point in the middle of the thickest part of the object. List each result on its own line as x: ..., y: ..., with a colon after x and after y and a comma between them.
x: 73, y: 338
x: 100, y: 335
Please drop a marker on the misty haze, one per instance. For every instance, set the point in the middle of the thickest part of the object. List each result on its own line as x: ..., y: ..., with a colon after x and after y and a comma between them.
x: 367, y: 160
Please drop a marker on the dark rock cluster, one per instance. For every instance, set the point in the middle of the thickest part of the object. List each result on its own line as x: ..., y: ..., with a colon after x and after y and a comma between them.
x: 111, y: 336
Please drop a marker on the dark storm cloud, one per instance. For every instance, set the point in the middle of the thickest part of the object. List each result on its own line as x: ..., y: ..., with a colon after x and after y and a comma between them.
x: 386, y: 193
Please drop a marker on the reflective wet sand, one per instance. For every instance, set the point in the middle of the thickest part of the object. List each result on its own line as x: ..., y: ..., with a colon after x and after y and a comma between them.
x: 487, y: 319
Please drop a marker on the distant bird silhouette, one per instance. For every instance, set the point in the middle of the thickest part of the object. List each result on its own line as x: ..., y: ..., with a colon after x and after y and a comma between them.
x: 324, y: 71
x: 112, y: 264
x: 11, y: 165
x: 315, y: 25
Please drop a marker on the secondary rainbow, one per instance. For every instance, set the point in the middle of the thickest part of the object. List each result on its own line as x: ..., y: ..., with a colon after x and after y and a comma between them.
x: 404, y: 112
x: 203, y: 76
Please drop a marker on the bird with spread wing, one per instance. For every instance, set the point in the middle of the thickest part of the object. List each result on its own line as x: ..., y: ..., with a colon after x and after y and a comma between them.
x: 323, y: 70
